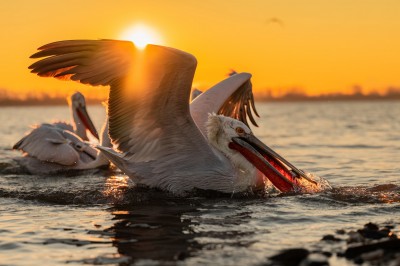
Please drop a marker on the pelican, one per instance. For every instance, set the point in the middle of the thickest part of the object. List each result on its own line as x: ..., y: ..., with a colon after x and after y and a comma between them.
x: 60, y: 146
x: 49, y: 149
x: 80, y: 120
x: 159, y: 139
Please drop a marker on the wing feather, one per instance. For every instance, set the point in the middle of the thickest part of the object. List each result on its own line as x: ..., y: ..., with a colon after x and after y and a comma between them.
x: 240, y: 104
x: 231, y: 97
x: 63, y: 47
x: 94, y: 62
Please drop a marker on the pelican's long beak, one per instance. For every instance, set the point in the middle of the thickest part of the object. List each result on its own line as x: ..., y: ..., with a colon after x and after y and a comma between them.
x: 282, y: 174
x: 87, y: 122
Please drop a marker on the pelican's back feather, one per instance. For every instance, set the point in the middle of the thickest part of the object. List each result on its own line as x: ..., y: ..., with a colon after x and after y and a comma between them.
x: 47, y: 143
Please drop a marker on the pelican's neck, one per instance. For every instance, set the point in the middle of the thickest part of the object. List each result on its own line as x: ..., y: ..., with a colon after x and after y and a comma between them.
x: 77, y: 124
x: 105, y: 139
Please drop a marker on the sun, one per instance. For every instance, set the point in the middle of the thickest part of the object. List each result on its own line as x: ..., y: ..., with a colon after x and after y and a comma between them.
x: 141, y: 35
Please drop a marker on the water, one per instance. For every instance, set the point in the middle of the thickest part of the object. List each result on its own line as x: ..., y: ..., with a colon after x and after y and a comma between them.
x: 99, y: 217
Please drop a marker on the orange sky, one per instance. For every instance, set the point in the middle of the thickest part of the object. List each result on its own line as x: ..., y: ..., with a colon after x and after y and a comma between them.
x: 321, y: 46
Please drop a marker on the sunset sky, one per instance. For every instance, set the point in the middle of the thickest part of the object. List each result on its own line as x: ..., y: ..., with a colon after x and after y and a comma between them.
x: 320, y: 46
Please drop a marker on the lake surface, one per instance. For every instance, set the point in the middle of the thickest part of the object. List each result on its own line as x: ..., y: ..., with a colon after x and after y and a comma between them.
x: 99, y: 217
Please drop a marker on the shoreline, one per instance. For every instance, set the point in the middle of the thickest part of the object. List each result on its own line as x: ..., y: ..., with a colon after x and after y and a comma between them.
x: 58, y: 102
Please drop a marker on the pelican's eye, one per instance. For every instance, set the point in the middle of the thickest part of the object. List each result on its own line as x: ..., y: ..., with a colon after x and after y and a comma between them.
x: 79, y: 146
x: 240, y: 130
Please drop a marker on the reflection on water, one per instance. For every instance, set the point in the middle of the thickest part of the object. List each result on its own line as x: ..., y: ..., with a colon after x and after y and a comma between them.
x: 153, y: 231
x: 143, y: 228
x: 115, y: 187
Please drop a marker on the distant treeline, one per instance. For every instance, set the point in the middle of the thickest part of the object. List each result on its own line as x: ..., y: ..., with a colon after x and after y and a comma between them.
x: 8, y: 98
x: 329, y: 97
x: 42, y: 101
x: 271, y: 95
x: 392, y: 93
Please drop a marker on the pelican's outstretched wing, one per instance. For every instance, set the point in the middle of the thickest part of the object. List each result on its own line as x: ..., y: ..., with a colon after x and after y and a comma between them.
x: 94, y: 62
x: 231, y: 97
x: 47, y: 143
x: 149, y: 117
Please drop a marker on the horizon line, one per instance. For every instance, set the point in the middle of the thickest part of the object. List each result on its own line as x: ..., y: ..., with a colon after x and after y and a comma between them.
x: 289, y: 97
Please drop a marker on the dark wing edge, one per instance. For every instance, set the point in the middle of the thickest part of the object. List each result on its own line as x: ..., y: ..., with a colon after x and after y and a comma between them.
x: 240, y: 105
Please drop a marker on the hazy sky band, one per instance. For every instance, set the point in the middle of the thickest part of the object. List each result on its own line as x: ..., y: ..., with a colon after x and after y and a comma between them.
x: 317, y: 46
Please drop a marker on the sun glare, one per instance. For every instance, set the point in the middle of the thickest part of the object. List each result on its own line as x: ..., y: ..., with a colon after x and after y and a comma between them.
x: 141, y: 35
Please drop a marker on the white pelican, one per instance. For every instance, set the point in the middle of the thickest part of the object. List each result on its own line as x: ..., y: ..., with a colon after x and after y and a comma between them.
x: 49, y: 149
x: 57, y: 147
x: 80, y: 120
x: 159, y: 141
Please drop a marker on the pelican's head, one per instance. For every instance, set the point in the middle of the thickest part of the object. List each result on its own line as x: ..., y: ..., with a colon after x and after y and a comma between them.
x: 247, y: 153
x: 222, y: 129
x: 77, y: 100
x: 80, y: 115
x: 220, y: 132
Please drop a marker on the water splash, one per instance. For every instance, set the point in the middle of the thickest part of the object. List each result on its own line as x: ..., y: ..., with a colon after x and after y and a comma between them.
x: 319, y: 185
